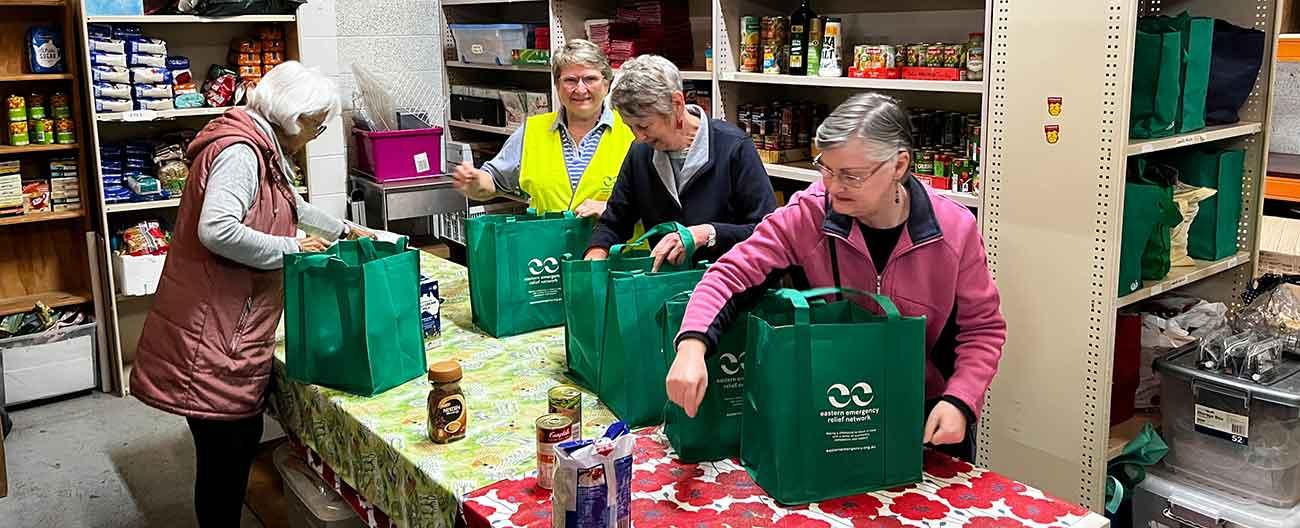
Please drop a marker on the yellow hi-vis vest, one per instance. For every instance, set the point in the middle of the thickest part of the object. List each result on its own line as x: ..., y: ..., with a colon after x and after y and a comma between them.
x: 544, y: 177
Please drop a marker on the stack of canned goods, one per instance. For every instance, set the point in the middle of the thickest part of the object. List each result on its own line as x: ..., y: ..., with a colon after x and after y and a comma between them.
x: 947, y: 148
x: 561, y: 423
x: 31, y: 124
x: 781, y: 125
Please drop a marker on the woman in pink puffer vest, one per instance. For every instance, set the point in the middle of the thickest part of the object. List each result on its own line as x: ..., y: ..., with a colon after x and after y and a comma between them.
x: 868, y: 225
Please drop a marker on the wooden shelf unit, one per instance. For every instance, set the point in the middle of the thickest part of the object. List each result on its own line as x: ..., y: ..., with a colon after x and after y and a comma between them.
x: 55, y: 299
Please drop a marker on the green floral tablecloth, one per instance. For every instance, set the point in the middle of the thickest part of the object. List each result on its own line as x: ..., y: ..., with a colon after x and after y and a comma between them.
x: 379, y: 445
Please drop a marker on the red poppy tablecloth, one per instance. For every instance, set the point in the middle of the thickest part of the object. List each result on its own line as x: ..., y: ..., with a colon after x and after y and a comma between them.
x: 666, y: 493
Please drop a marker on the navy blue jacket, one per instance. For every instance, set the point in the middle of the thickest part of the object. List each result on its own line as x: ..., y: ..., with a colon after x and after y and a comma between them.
x: 732, y: 192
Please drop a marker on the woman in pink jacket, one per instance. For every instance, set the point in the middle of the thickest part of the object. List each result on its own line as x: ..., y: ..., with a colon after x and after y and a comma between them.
x: 868, y: 225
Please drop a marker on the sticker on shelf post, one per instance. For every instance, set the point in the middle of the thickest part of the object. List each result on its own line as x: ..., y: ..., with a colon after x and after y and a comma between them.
x: 1053, y: 133
x: 140, y: 115
x: 1054, y: 106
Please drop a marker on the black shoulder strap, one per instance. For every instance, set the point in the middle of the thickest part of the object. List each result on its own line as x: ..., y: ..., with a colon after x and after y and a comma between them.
x: 835, y: 265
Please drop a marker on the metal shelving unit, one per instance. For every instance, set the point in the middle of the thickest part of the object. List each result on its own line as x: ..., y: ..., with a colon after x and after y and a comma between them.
x: 972, y: 87
x: 1052, y: 221
x: 205, y: 41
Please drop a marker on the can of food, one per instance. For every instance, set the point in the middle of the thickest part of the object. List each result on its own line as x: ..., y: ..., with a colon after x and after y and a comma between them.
x: 919, y: 54
x: 742, y: 118
x: 934, y: 55
x: 18, y: 134
x: 954, y: 56
x: 899, y: 59
x: 776, y: 43
x: 814, y: 45
x: 552, y: 430
x: 887, y: 55
x: 925, y: 163
x: 17, y: 106
x: 37, y: 134
x: 750, y: 53
x: 566, y: 400
x: 832, y: 47
x: 952, y: 125
x: 63, y: 131
x: 942, y: 165
x: 771, y: 131
x: 36, y: 106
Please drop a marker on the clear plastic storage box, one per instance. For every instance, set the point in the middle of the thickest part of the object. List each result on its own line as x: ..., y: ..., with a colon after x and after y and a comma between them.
x: 312, y: 503
x: 1230, y: 432
x: 488, y: 43
x: 1164, y: 500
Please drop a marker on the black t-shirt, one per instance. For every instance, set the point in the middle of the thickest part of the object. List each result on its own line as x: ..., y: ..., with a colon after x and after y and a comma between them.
x: 880, y: 243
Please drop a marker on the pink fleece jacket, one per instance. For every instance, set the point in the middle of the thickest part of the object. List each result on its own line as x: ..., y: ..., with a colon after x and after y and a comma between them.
x: 939, y: 270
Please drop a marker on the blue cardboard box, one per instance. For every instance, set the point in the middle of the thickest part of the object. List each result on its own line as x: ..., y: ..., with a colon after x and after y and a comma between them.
x: 430, y: 307
x: 114, y: 7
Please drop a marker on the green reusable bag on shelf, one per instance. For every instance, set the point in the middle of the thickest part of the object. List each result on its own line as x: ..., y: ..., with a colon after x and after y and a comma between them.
x: 632, y: 370
x: 834, y: 396
x: 514, y: 268
x: 352, y: 316
x: 714, y: 433
x: 586, y: 290
x: 1150, y: 215
x: 1157, y: 83
x: 1214, y: 231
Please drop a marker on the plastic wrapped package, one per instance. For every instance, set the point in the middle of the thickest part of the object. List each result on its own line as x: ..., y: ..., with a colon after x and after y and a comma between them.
x: 108, y: 46
x: 112, y: 105
x: 145, y: 60
x: 593, y: 480
x: 126, y: 31
x: 44, y: 50
x: 1188, y: 198
x: 516, y: 105
x: 146, y: 46
x: 155, y: 104
x: 1163, y: 333
x: 101, y: 32
x: 1273, y: 306
x: 244, y: 45
x: 99, y: 58
x: 150, y: 75
x: 110, y: 74
x: 112, y: 90
x: 219, y: 90
x: 145, y: 238
x: 189, y: 100
x: 252, y: 71
x: 152, y: 91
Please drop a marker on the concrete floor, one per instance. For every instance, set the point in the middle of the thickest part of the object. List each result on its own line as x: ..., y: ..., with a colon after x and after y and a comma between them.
x: 100, y: 461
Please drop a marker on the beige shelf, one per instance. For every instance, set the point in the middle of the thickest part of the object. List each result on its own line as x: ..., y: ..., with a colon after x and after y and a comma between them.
x: 798, y: 173
x: 142, y: 206
x: 1182, y: 276
x: 1205, y: 135
x: 971, y: 87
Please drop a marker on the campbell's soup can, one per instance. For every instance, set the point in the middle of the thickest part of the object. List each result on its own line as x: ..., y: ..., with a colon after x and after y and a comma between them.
x: 552, y: 430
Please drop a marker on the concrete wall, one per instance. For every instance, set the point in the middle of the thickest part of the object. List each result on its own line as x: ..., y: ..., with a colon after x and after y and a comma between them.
x: 394, y: 38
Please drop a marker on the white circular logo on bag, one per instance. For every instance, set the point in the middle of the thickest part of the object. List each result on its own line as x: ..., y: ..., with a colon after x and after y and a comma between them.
x: 547, y: 265
x: 840, y: 395
x: 731, y: 364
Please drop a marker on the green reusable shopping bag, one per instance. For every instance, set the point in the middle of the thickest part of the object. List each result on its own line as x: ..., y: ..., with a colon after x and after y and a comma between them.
x: 632, y: 371
x: 514, y: 268
x: 714, y: 433
x: 1157, y: 83
x: 352, y: 316
x: 1214, y: 231
x: 834, y: 396
x: 586, y: 286
x: 1198, y: 48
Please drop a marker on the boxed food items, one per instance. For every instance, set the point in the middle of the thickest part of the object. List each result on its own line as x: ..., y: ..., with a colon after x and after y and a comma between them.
x: 488, y: 43
x: 65, y: 193
x: 11, y: 188
x: 143, y: 185
x: 430, y: 306
x: 45, y: 50
x: 515, y: 103
x: 530, y: 57
x: 36, y: 196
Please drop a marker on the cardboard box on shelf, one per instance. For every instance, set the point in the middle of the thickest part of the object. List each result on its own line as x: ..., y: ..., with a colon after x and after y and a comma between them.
x: 1279, y: 245
x: 783, y: 156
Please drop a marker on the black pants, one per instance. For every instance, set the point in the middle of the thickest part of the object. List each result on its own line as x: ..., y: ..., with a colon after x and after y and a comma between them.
x: 224, y: 451
x: 964, y: 450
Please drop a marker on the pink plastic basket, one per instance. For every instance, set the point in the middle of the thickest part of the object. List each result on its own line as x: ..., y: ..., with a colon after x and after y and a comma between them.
x: 399, y: 154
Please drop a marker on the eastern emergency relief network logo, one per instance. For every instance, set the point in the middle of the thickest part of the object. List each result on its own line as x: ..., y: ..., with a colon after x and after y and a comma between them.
x: 547, y: 265
x: 841, y: 396
x: 732, y: 364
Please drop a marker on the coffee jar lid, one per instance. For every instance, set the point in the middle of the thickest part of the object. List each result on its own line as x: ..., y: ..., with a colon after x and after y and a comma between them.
x: 445, y: 371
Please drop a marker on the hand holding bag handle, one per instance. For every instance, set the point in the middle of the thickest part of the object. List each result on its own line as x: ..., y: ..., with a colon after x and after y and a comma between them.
x: 683, y: 232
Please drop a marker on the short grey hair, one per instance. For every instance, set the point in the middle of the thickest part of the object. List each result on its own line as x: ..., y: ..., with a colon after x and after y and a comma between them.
x: 578, y: 52
x: 645, y: 85
x: 879, y: 120
x: 290, y: 91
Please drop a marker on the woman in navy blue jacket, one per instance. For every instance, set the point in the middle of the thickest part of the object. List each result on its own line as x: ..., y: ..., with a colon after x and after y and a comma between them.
x: 685, y: 167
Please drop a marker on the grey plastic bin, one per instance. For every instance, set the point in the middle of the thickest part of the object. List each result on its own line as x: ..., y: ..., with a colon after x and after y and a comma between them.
x: 311, y: 503
x: 1165, y: 500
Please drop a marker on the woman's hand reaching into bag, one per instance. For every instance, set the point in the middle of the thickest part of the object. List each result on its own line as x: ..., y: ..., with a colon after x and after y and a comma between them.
x: 688, y: 378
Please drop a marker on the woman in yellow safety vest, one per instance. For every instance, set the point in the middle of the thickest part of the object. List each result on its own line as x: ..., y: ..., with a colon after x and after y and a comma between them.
x: 566, y: 160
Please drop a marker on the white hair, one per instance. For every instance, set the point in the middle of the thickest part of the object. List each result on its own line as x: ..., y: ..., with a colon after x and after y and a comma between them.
x: 579, y: 52
x: 645, y: 85
x: 879, y: 121
x: 290, y: 91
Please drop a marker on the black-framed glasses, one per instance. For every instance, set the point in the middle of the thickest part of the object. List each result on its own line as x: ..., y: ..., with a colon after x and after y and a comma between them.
x: 319, y: 130
x: 851, y: 177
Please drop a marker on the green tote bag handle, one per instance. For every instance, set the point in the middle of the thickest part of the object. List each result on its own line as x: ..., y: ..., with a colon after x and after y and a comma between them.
x: 803, y: 365
x: 532, y: 211
x: 688, y: 240
x: 886, y: 305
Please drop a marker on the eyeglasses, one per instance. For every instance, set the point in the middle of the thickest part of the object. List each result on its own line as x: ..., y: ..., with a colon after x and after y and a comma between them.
x: 570, y: 82
x: 319, y: 130
x: 851, y: 177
